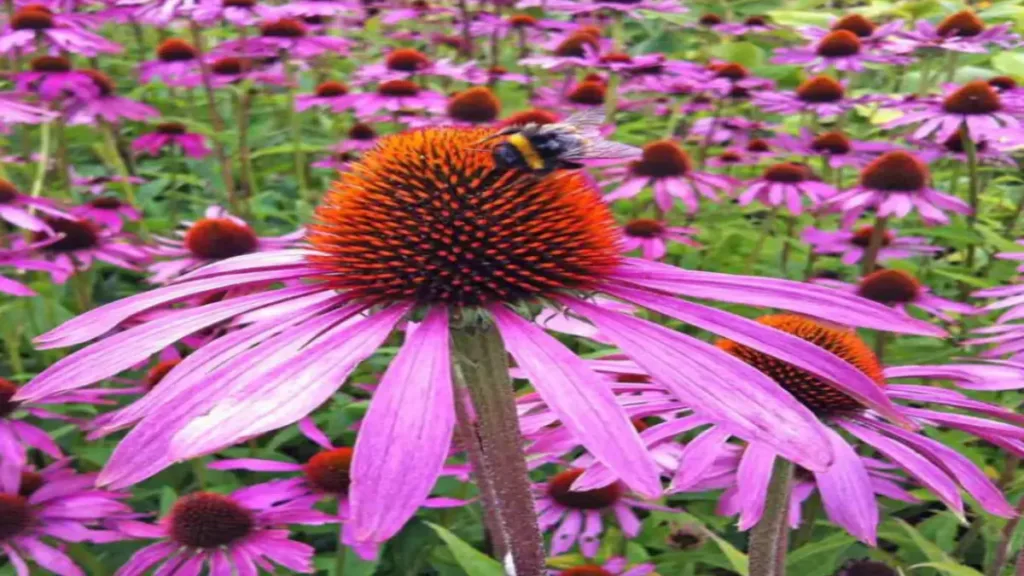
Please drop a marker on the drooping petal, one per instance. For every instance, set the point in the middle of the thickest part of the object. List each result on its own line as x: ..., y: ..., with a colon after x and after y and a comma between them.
x: 573, y: 392
x: 405, y: 436
x: 752, y: 480
x: 697, y: 456
x: 847, y: 493
x: 718, y: 386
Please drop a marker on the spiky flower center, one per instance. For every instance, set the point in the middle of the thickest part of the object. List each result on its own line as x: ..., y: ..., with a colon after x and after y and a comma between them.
x: 616, y: 58
x: 427, y: 216
x: 361, y: 131
x: 820, y: 397
x: 15, y: 515
x: 895, y: 171
x: 103, y: 83
x: 576, y: 44
x: 219, y: 238
x: 238, y: 3
x: 730, y: 70
x: 976, y: 97
x: 7, y: 392
x: 710, y: 20
x: 398, y: 88
x: 965, y: 24
x: 588, y: 93
x: 559, y: 489
x: 729, y: 157
x: 171, y: 128
x: 785, y: 172
x: 662, y: 159
x: 889, y: 287
x: 838, y: 44
x: 328, y: 471
x: 207, y: 520
x: 532, y: 116
x: 477, y: 105
x: 231, y: 66
x: 522, y: 21
x: 106, y: 203
x: 176, y: 50
x: 862, y: 237
x: 283, y: 28
x: 407, y: 60
x: 588, y: 570
x: 50, y: 64
x: 32, y: 18
x: 8, y: 191
x: 859, y: 25
x: 331, y: 89
x: 1002, y: 83
x: 955, y: 143
x: 157, y: 373
x: 75, y: 235
x: 820, y: 89
x: 645, y: 228
x: 756, y: 21
x: 835, y: 143
x: 758, y: 146
x: 28, y: 484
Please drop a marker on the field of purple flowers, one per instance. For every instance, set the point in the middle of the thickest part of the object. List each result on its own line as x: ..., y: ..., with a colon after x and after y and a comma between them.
x: 308, y: 287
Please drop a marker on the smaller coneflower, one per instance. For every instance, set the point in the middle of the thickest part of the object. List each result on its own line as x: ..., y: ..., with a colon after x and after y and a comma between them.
x: 727, y: 77
x: 107, y: 211
x: 726, y: 129
x: 578, y: 49
x: 839, y: 49
x: 105, y: 104
x: 415, y: 10
x: 171, y: 136
x: 290, y: 36
x: 18, y: 209
x: 176, y: 64
x: 399, y: 64
x: 328, y: 94
x: 215, y: 236
x: 36, y: 26
x: 79, y: 243
x: 650, y: 237
x: 630, y: 8
x: 472, y: 73
x: 237, y: 12
x: 588, y: 94
x: 233, y: 532
x: 473, y: 106
x: 55, y: 503
x: 234, y: 69
x: 975, y: 107
x: 851, y: 244
x: 756, y: 24
x: 822, y: 95
x: 901, y: 289
x: 528, y: 28
x: 21, y: 261
x: 99, y: 184
x: 531, y: 116
x: 361, y: 136
x: 617, y: 566
x: 834, y: 146
x: 668, y: 169
x: 579, y: 514
x: 896, y: 183
x: 786, y: 183
x: 52, y: 78
x: 961, y: 31
x: 396, y: 96
x: 872, y: 36
x: 986, y: 152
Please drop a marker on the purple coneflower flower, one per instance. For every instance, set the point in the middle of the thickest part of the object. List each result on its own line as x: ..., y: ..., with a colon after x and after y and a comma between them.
x: 579, y: 514
x: 52, y: 78
x: 896, y: 183
x: 216, y: 236
x: 36, y: 25
x: 835, y: 147
x: 873, y: 37
x: 962, y: 31
x: 750, y: 25
x: 171, y: 135
x: 668, y: 169
x: 107, y: 211
x: 228, y: 533
x: 953, y: 147
x: 617, y: 566
x: 288, y: 35
x: 17, y: 208
x: 851, y: 244
x: 728, y: 129
x: 237, y: 12
x: 54, y: 503
x: 233, y: 69
x: 416, y: 10
x: 528, y: 29
x: 839, y: 49
x: 395, y: 96
x: 473, y: 106
x: 106, y: 104
x: 80, y: 243
x: 975, y: 107
x: 729, y: 77
x: 786, y: 183
x: 629, y: 8
x: 900, y: 289
x: 822, y: 95
x: 472, y: 73
x: 328, y: 94
x: 373, y: 259
x: 580, y: 49
x: 360, y: 137
x: 21, y: 261
x: 399, y: 64
x: 588, y: 94
x: 176, y: 64
x: 97, y: 185
x: 13, y: 110
x: 651, y: 236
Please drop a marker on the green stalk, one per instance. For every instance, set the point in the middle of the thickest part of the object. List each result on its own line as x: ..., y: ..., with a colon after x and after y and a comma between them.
x: 44, y: 159
x: 973, y: 193
x: 768, y: 540
x: 295, y: 124
x: 481, y: 367
x: 762, y: 237
x: 870, y: 258
x: 110, y: 141
x: 215, y: 120
x: 339, y: 558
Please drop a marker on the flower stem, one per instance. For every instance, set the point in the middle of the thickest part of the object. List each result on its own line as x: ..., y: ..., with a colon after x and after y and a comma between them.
x: 702, y: 152
x: 481, y: 366
x: 218, y: 123
x: 339, y: 559
x: 973, y: 192
x: 1003, y: 551
x: 870, y: 258
x: 762, y: 237
x: 769, y: 538
x: 296, y: 129
x: 243, y: 102
x: 44, y: 159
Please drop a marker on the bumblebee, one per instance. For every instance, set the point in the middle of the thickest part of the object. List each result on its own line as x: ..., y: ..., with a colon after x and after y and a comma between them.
x: 544, y: 148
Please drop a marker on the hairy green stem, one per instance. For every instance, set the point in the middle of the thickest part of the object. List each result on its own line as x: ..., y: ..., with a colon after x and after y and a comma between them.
x: 870, y: 258
x: 769, y: 538
x: 481, y: 366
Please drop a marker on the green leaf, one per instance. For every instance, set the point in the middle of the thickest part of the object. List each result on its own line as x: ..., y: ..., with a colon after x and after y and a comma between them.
x: 744, y: 53
x: 738, y: 560
x: 800, y: 18
x: 1009, y: 63
x: 949, y: 568
x: 471, y: 560
x: 931, y: 550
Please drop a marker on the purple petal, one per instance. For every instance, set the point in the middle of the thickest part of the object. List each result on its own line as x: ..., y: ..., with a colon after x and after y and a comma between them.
x: 752, y: 479
x: 847, y: 493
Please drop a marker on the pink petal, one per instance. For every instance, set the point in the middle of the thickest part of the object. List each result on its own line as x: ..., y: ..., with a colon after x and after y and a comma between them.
x: 847, y: 493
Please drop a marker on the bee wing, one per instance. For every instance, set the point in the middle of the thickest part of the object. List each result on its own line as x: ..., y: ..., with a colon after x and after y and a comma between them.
x: 603, y: 149
x: 586, y: 122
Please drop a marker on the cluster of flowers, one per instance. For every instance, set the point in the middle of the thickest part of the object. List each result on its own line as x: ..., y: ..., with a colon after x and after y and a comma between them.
x: 273, y: 326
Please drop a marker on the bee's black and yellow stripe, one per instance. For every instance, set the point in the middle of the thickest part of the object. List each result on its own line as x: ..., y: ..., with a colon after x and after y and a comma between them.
x: 526, y: 149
